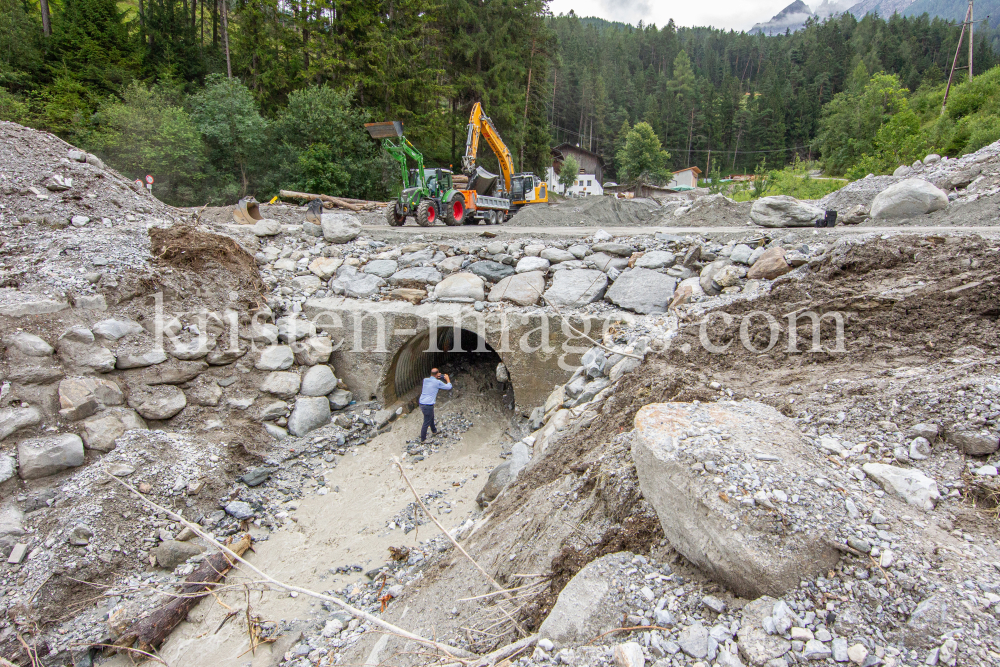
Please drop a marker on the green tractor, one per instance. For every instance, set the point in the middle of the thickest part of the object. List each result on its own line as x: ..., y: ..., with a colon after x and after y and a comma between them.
x: 428, y: 194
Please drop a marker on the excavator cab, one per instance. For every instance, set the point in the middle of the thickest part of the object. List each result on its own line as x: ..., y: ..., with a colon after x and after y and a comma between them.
x: 528, y: 189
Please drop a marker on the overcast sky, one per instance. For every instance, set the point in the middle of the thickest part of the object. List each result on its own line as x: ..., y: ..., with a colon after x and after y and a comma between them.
x: 735, y: 14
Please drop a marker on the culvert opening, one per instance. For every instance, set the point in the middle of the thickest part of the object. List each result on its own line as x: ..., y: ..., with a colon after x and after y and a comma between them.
x: 464, y: 355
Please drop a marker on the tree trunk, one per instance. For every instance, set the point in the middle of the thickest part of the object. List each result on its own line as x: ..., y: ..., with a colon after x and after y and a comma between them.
x: 225, y: 38
x: 690, y: 137
x: 215, y: 24
x: 46, y: 19
x: 152, y: 630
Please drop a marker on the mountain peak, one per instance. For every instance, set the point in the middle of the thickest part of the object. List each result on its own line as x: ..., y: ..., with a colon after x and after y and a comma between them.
x: 793, y: 17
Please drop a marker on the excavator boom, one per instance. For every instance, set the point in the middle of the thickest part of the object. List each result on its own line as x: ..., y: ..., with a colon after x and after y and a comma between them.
x: 480, y: 124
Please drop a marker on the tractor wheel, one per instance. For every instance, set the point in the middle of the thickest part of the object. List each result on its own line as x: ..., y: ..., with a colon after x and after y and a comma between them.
x: 455, y: 212
x: 427, y: 213
x: 394, y: 219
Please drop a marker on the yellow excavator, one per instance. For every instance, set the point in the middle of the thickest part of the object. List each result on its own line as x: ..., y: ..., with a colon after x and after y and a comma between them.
x: 482, y: 200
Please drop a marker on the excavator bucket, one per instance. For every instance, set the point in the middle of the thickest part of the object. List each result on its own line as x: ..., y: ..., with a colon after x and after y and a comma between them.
x: 247, y: 212
x: 483, y: 182
x: 387, y: 130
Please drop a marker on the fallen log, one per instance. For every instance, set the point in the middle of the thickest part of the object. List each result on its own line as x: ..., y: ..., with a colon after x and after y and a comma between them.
x: 152, y: 630
x: 343, y: 202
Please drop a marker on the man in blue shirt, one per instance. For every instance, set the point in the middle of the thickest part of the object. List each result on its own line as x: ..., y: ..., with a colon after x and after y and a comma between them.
x: 428, y: 396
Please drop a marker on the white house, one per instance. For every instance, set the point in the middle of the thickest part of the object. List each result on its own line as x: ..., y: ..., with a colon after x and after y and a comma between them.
x: 687, y: 178
x: 588, y: 181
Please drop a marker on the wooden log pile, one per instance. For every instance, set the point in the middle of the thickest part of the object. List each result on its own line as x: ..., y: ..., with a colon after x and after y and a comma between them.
x: 339, y: 202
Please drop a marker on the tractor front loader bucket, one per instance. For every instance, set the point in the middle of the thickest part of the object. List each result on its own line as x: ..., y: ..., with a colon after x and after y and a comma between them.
x: 247, y: 212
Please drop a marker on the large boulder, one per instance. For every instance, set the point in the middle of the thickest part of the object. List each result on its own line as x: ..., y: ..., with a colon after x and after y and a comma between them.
x: 13, y: 419
x: 28, y: 344
x: 523, y: 289
x: 309, y: 414
x: 464, y: 286
x: 757, y: 645
x: 589, y: 606
x: 383, y: 268
x: 760, y: 557
x: 784, y: 211
x: 974, y: 444
x: 908, y: 198
x: 491, y: 271
x: 114, y: 329
x: 364, y: 286
x: 318, y: 381
x: 642, y: 290
x: 275, y: 358
x: 82, y: 397
x: 41, y: 457
x: 324, y: 268
x: 340, y: 227
x: 283, y: 384
x: 577, y: 287
x: 656, y: 259
x: 526, y: 264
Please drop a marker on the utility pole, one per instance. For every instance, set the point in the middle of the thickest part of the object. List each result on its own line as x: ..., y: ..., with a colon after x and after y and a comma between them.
x: 954, y: 64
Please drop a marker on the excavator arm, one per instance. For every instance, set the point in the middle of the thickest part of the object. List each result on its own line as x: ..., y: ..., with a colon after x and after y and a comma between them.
x: 480, y: 124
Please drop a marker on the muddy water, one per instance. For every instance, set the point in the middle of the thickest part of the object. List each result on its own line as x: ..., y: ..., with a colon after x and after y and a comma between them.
x: 344, y: 528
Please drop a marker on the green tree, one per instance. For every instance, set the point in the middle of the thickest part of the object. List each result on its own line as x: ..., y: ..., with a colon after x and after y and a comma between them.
x: 569, y: 171
x: 643, y: 160
x: 324, y: 147
x: 146, y: 134
x: 853, y: 118
x: 898, y: 141
x: 227, y: 116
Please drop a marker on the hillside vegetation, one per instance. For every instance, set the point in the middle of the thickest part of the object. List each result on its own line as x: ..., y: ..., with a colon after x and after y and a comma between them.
x: 148, y: 87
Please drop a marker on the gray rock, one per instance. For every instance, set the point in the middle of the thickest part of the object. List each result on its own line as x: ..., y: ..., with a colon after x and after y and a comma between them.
x: 14, y: 419
x: 87, y: 356
x: 605, y: 262
x: 420, y: 258
x: 656, y: 259
x: 752, y: 561
x: 526, y: 264
x: 266, y: 228
x: 257, y: 476
x: 756, y: 645
x: 8, y: 467
x: 127, y: 360
x: 619, y: 249
x: 41, y: 457
x: 275, y: 358
x: 907, y: 199
x: 920, y: 449
x: 157, y: 402
x: 974, y: 444
x: 586, y: 607
x: 555, y: 255
x: 365, y: 286
x: 340, y: 399
x: 28, y: 344
x: 629, y: 654
x: 115, y: 329
x: 902, y: 170
x: 239, y: 510
x: 273, y: 410
x: 464, y: 286
x: 577, y: 287
x: 523, y: 289
x: 172, y: 553
x: 318, y: 381
x: 383, y: 268
x: 340, y: 227
x: 928, y: 431
x: 784, y: 211
x: 82, y: 397
x: 284, y: 384
x: 491, y: 271
x: 291, y: 329
x: 309, y: 414
x: 930, y: 619
x: 693, y: 640
x: 311, y: 351
x: 911, y: 485
x: 275, y: 431
x: 816, y: 650
x: 101, y: 431
x: 741, y: 254
x: 839, y: 649
x: 80, y: 535
x: 578, y: 250
x: 416, y: 277
x: 498, y: 480
x: 642, y: 290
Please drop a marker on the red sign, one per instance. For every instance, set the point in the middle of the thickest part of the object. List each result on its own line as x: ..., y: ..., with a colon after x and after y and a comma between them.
x: 149, y: 179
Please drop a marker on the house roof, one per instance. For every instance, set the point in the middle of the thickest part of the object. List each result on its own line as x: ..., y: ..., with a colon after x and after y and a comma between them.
x: 557, y: 151
x: 694, y: 169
